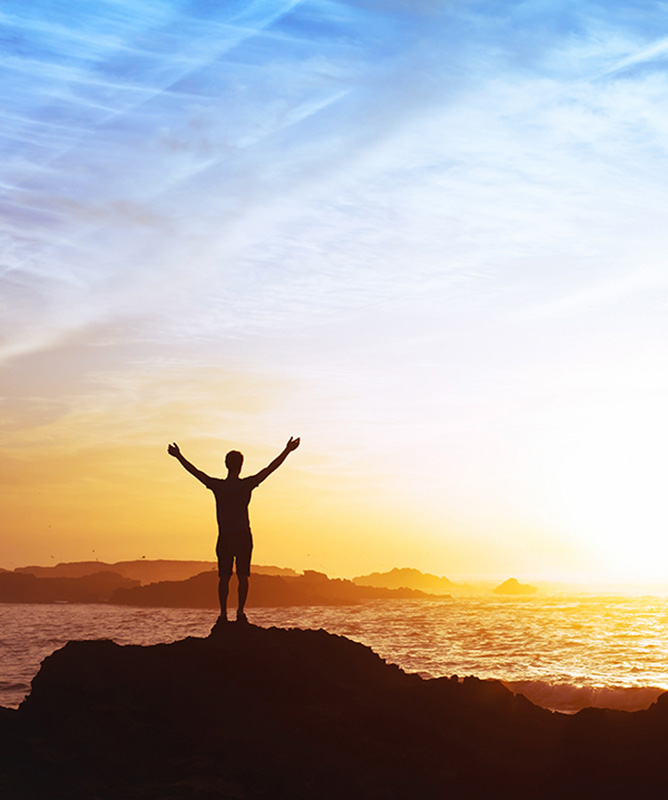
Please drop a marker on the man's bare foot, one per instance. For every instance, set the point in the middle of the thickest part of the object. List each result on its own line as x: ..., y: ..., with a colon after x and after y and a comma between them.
x: 241, y: 617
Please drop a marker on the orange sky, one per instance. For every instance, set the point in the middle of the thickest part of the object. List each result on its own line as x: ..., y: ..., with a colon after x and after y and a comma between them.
x: 550, y: 489
x: 426, y: 244
x: 97, y: 483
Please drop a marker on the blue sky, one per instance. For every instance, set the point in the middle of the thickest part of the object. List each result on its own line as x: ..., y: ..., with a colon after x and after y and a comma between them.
x: 429, y: 237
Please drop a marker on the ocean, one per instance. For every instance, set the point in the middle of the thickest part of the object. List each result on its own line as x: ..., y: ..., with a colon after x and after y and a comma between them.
x: 564, y: 652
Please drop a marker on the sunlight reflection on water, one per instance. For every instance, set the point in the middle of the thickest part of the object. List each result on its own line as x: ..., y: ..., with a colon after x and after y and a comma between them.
x: 595, y: 641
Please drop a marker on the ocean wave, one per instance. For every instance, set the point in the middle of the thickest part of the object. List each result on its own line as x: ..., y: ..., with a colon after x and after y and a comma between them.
x: 569, y: 699
x: 9, y: 685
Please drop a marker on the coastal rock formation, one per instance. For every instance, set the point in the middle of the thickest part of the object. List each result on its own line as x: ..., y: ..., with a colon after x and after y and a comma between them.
x: 405, y: 577
x: 254, y: 713
x: 268, y: 714
x: 271, y: 586
x: 144, y: 570
x: 200, y: 591
x: 513, y: 587
x: 310, y: 589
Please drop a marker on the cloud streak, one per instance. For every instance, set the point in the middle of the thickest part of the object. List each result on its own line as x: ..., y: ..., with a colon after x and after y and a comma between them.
x: 207, y: 156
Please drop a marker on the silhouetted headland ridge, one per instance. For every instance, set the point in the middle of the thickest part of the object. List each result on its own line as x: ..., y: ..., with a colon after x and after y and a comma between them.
x: 272, y: 586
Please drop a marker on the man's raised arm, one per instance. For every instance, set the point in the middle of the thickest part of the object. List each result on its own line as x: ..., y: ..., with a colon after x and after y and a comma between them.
x: 173, y: 450
x: 292, y: 444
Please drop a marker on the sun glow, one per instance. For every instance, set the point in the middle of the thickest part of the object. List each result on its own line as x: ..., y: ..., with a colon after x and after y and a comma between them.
x: 610, y: 480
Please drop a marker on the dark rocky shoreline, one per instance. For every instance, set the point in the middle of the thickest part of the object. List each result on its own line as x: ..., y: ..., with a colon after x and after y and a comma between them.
x: 272, y: 713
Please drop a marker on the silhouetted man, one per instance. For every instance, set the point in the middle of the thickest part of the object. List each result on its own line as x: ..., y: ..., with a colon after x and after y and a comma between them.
x: 235, y: 541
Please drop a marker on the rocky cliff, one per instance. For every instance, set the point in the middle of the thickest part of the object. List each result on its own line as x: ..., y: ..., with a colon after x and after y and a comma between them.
x: 270, y: 713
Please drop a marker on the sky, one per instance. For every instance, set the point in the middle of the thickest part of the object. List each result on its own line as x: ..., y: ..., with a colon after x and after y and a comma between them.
x: 427, y: 237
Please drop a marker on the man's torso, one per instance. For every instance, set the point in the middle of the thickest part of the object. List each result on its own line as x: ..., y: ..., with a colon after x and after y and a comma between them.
x: 232, y: 498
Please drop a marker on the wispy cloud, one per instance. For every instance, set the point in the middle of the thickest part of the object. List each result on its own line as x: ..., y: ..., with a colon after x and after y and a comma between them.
x: 464, y: 154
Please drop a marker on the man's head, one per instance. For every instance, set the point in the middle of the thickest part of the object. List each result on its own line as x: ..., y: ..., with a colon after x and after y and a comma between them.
x: 233, y: 461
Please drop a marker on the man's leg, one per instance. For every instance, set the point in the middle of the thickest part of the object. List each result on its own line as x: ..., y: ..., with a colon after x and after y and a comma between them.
x: 223, y: 589
x: 225, y: 561
x: 243, y: 573
x: 243, y: 591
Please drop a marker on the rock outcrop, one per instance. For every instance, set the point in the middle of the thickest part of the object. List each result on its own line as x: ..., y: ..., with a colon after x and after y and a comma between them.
x: 267, y: 714
x: 406, y: 577
x: 513, y: 587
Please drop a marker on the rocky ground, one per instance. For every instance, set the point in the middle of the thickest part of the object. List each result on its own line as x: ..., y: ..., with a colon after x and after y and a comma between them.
x: 271, y: 714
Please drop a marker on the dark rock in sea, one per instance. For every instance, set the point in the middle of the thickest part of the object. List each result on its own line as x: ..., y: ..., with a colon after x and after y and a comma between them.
x: 513, y: 587
x: 269, y: 714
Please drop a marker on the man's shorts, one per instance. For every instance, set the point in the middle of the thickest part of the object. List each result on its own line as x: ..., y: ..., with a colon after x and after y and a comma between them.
x: 234, y: 546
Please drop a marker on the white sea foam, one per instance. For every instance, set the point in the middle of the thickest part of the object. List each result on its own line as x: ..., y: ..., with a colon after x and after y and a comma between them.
x: 562, y: 652
x: 569, y: 699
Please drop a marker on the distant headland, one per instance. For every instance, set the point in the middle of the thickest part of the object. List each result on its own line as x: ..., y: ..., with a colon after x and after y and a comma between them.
x: 193, y: 584
x: 405, y: 578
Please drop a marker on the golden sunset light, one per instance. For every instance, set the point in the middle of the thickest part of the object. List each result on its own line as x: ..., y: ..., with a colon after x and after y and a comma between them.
x: 439, y: 261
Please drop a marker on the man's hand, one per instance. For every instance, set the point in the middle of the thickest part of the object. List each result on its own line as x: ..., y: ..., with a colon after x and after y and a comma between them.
x: 173, y: 449
x: 292, y: 444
